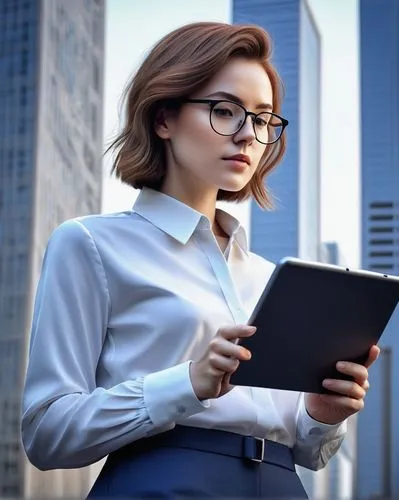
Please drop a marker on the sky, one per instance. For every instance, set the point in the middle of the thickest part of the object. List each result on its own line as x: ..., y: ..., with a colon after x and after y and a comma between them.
x: 133, y: 26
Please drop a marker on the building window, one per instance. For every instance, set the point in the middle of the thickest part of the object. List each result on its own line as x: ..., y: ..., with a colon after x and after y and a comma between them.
x: 23, y: 96
x: 381, y: 254
x: 25, y: 32
x: 95, y: 31
x: 10, y: 491
x: 22, y: 195
x: 381, y: 217
x: 381, y: 204
x: 381, y: 230
x: 93, y: 121
x: 22, y: 126
x: 381, y: 267
x: 24, y: 62
x: 88, y: 157
x: 10, y: 468
x: 89, y: 192
x: 21, y: 161
x: 381, y: 242
x: 96, y: 75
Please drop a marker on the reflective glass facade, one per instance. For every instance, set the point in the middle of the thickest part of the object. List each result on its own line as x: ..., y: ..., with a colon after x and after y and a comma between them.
x: 378, y: 439
x: 294, y: 227
x: 51, y: 94
x: 18, y: 69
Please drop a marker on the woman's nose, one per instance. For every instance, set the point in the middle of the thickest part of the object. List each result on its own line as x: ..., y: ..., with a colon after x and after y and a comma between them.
x: 246, y: 132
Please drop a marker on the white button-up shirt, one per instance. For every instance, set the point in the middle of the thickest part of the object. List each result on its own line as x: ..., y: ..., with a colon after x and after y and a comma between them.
x: 124, y: 302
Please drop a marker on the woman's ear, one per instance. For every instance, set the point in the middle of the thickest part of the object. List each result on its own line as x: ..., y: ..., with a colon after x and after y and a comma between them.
x: 164, y: 123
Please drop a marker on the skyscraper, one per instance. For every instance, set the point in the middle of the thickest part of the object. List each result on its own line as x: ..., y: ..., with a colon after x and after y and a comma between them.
x: 378, y: 432
x: 294, y: 227
x: 51, y: 95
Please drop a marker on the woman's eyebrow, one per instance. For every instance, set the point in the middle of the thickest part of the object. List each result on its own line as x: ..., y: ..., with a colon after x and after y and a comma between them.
x: 232, y: 97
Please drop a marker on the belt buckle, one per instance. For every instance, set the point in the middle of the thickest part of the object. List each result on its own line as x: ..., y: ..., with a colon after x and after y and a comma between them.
x: 255, y: 449
x: 259, y: 450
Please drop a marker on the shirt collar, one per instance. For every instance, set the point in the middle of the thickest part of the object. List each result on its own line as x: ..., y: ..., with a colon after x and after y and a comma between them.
x: 180, y: 221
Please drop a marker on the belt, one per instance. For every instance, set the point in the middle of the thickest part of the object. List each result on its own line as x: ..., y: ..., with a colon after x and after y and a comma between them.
x: 249, y: 448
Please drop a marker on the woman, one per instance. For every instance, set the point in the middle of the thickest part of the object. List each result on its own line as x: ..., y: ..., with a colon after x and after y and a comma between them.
x: 139, y: 311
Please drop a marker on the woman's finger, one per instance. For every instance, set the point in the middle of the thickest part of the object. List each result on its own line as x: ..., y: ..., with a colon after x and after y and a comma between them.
x: 358, y: 372
x: 345, y: 387
x: 235, y: 332
x: 229, y: 349
x: 366, y: 385
x: 373, y: 355
x: 221, y: 364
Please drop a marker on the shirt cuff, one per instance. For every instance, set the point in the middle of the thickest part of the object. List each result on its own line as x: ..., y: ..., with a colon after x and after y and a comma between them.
x: 169, y: 395
x: 308, y: 426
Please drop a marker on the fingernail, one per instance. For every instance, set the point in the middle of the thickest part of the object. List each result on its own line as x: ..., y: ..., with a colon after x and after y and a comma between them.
x: 251, y: 329
x: 247, y: 354
x: 341, y: 364
x: 327, y: 382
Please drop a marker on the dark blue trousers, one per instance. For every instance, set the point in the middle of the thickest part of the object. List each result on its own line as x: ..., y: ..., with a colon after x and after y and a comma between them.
x: 175, y: 471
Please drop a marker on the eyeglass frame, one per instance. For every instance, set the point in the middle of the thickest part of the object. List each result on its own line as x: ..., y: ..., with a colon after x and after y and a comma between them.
x: 214, y: 102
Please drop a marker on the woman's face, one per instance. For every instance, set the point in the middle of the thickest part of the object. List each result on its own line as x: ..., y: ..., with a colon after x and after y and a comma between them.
x: 195, y: 152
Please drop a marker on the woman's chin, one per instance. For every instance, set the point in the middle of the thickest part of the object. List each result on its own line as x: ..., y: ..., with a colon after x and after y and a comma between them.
x: 234, y: 181
x: 234, y: 187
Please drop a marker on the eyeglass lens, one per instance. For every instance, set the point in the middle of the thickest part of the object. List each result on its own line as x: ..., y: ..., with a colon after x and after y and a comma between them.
x: 228, y: 117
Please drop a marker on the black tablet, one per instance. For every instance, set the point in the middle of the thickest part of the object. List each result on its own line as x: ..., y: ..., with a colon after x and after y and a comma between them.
x: 310, y: 316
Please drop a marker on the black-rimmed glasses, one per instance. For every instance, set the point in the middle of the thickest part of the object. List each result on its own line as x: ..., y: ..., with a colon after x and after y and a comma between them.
x: 228, y: 118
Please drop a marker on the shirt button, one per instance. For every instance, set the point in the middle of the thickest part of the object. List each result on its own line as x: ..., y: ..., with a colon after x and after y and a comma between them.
x: 181, y: 409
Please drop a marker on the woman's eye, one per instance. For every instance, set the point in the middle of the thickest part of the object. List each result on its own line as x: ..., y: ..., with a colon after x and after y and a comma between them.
x: 223, y: 112
x: 260, y: 122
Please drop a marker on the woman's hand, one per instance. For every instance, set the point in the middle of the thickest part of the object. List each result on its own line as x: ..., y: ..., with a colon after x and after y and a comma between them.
x: 210, y: 376
x: 334, y: 409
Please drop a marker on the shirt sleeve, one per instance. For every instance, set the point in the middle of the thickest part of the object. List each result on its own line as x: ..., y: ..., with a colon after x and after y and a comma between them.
x: 316, y: 442
x: 67, y: 420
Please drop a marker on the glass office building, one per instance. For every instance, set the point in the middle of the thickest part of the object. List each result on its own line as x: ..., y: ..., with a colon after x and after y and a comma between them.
x: 51, y: 137
x: 378, y: 432
x: 294, y: 227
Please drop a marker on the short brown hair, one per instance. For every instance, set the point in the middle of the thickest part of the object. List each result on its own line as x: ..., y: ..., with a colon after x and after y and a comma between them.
x: 178, y: 66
